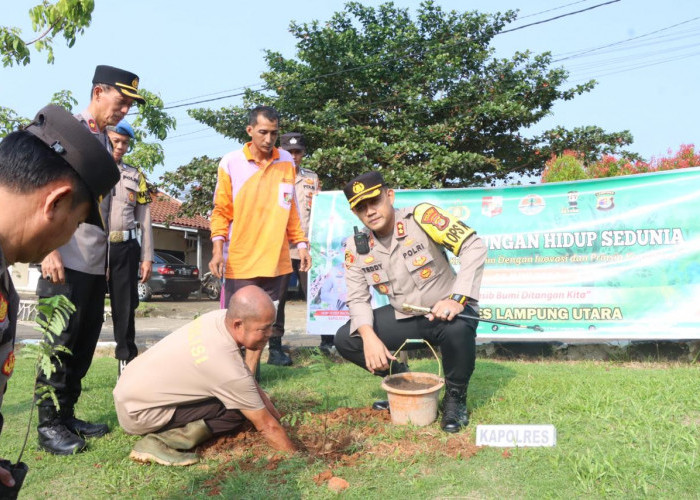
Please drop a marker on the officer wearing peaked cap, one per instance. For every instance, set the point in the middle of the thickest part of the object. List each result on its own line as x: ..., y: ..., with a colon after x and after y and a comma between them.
x: 129, y: 215
x: 306, y: 185
x: 77, y: 270
x: 403, y: 256
x: 52, y: 174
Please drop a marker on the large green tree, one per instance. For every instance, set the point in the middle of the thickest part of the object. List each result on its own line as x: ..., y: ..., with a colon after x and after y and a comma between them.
x: 69, y: 18
x: 66, y: 18
x: 423, y: 99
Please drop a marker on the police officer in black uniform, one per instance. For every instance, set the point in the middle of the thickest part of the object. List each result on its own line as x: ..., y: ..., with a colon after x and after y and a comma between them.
x: 51, y: 176
x: 78, y: 270
x: 402, y: 255
x: 130, y: 244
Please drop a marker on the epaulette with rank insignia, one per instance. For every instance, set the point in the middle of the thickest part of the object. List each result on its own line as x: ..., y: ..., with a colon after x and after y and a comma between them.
x: 442, y: 228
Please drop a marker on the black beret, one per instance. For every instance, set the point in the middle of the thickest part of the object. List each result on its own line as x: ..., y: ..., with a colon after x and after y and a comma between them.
x: 367, y: 185
x: 125, y: 82
x: 73, y: 142
x: 292, y: 141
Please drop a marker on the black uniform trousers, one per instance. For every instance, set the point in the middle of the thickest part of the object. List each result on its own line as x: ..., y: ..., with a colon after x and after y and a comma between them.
x: 278, y: 326
x: 456, y: 338
x: 87, y: 292
x: 124, y: 260
x: 270, y: 285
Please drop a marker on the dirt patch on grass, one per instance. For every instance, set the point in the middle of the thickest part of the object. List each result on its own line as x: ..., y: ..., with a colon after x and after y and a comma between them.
x: 343, y: 437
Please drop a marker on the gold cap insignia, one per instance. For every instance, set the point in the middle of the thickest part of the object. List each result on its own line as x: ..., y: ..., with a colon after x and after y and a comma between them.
x: 358, y: 187
x: 135, y: 83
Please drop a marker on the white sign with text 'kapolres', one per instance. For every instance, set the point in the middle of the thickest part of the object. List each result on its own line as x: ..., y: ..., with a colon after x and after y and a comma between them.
x: 512, y: 436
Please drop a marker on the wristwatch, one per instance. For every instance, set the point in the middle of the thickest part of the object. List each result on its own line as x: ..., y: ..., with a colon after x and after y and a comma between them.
x: 462, y: 299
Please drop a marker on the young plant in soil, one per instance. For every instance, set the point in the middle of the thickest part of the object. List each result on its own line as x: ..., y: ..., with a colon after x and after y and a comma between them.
x: 53, y: 315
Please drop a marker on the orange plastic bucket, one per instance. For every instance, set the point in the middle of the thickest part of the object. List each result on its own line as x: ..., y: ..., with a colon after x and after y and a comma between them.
x: 413, y: 396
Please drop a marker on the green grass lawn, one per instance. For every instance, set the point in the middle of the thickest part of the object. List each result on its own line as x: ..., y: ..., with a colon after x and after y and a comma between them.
x: 624, y: 430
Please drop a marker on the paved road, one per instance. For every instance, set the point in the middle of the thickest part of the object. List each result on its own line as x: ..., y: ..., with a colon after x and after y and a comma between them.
x: 167, y: 316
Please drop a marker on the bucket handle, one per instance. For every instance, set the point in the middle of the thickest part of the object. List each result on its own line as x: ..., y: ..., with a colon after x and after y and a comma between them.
x: 419, y: 341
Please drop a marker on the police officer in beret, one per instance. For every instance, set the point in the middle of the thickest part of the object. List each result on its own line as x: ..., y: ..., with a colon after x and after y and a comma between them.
x: 129, y: 215
x: 77, y: 270
x: 51, y: 177
x: 403, y: 254
x: 306, y: 185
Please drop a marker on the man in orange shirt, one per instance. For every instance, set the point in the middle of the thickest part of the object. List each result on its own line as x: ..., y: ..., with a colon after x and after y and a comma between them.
x: 256, y: 214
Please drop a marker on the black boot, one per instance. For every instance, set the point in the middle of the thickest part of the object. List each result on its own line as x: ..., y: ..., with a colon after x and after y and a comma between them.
x: 327, y: 346
x: 121, y: 366
x: 454, y: 408
x: 54, y: 436
x: 81, y: 427
x: 277, y: 355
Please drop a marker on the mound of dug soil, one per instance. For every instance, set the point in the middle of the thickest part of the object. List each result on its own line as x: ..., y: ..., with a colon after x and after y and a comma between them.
x: 342, y: 437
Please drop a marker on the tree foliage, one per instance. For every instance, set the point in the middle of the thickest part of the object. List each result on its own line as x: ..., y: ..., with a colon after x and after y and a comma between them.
x: 68, y: 18
x: 195, y: 182
x: 424, y: 100
x: 153, y: 120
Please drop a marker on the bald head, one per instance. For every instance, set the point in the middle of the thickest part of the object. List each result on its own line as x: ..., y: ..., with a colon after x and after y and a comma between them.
x: 249, y: 317
x: 250, y: 302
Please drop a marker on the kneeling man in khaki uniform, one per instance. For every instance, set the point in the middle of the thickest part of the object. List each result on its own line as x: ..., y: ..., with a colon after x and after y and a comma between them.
x: 194, y: 384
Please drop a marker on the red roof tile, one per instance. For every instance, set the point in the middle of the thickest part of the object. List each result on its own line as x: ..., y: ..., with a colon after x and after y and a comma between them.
x: 164, y: 209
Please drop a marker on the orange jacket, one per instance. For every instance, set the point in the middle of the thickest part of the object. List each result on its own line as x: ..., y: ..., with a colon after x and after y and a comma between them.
x: 256, y: 212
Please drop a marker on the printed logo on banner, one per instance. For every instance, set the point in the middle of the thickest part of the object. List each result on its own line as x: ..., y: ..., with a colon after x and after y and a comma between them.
x: 531, y: 204
x: 573, y: 203
x: 605, y: 200
x: 491, y: 206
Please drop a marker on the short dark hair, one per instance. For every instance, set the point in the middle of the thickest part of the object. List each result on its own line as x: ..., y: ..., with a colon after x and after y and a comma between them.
x: 267, y: 111
x: 27, y: 164
x: 103, y: 86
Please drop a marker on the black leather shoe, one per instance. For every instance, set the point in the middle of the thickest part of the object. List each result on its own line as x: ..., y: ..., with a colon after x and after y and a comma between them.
x: 454, y: 410
x: 276, y: 355
x: 57, y: 439
x: 381, y: 405
x: 54, y: 437
x: 279, y: 358
x: 85, y: 429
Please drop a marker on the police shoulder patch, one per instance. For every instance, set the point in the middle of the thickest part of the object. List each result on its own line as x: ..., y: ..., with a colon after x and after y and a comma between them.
x: 8, y: 366
x: 349, y: 259
x: 441, y: 227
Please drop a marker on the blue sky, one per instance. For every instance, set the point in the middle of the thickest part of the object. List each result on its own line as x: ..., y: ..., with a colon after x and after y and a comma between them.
x: 184, y: 50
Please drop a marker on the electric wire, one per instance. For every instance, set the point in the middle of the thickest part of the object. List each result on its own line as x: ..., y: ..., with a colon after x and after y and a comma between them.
x: 263, y: 86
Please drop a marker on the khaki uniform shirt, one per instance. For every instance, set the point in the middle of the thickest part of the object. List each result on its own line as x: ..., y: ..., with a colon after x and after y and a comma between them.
x: 87, y: 249
x: 126, y: 212
x: 414, y: 269
x: 306, y: 186
x: 197, y: 362
x: 9, y: 304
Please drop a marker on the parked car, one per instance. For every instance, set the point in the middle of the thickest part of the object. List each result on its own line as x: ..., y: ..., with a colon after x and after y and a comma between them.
x: 170, y: 278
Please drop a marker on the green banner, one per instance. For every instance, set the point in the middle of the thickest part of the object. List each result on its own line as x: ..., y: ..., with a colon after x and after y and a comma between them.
x: 615, y: 258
